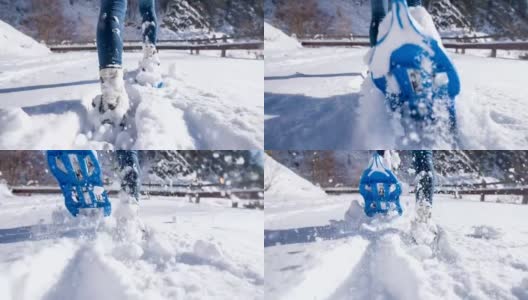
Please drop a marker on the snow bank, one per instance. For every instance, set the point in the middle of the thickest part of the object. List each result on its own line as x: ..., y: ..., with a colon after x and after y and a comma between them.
x: 277, y: 40
x: 282, y: 183
x: 15, y: 43
x: 4, y: 190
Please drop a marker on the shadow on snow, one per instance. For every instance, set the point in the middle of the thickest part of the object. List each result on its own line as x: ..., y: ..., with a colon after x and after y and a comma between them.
x: 297, y: 121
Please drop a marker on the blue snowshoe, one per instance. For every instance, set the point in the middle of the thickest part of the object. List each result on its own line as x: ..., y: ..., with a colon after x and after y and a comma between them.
x: 380, y: 188
x: 79, y: 175
x: 412, y: 69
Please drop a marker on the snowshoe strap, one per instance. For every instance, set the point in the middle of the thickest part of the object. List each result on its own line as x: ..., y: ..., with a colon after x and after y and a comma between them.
x: 380, y: 188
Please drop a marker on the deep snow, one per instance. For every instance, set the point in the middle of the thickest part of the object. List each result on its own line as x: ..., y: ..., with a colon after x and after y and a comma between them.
x: 314, y: 99
x: 326, y: 248
x: 205, y: 251
x: 481, y: 255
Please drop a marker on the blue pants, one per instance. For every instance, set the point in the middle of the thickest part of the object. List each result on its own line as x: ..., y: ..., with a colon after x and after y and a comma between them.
x: 110, y: 30
x: 379, y: 9
x: 130, y: 172
x: 423, y: 164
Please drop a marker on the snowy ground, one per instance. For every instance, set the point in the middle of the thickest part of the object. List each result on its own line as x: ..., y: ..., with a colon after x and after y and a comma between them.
x: 44, y: 103
x: 205, y: 251
x: 482, y: 252
x: 312, y: 101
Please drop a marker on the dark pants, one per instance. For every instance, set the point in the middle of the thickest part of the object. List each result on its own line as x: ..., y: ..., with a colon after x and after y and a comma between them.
x: 423, y: 165
x: 379, y: 9
x: 110, y: 30
x: 129, y: 171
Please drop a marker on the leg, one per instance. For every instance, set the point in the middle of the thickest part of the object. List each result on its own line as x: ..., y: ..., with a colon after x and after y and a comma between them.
x: 378, y: 13
x: 412, y: 3
x: 150, y: 24
x: 129, y: 169
x: 109, y: 28
x: 423, y: 164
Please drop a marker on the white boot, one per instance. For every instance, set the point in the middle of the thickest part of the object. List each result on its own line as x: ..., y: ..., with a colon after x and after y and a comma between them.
x: 113, y: 103
x: 150, y: 67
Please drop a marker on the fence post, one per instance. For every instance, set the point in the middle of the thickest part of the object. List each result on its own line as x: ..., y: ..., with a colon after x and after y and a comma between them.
x: 463, y: 50
x: 525, y: 199
x: 224, y: 40
x: 494, y: 52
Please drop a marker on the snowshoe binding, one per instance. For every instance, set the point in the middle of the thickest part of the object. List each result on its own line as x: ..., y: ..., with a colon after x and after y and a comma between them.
x: 413, y: 70
x: 79, y: 175
x: 380, y: 188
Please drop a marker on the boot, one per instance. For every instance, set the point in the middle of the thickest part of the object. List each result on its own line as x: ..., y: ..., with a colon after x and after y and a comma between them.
x: 113, y: 103
x: 150, y: 67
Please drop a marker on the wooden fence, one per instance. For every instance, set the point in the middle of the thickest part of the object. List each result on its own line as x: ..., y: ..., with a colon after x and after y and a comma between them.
x: 482, y: 189
x: 458, y: 46
x: 251, y: 197
x: 194, y: 47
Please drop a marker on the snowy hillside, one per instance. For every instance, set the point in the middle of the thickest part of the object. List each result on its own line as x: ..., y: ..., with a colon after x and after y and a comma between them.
x: 283, y: 184
x: 75, y: 19
x: 15, y: 43
x: 353, y: 16
x: 312, y: 250
x: 191, y: 252
x: 275, y: 39
x: 46, y: 102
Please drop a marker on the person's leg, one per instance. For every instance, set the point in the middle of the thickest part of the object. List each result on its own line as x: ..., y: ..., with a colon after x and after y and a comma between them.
x: 109, y: 33
x: 150, y: 23
x: 411, y: 3
x: 379, y: 11
x: 423, y: 164
x: 130, y: 171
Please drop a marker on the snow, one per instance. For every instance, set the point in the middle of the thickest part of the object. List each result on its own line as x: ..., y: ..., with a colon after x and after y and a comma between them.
x: 15, y: 43
x: 277, y: 40
x: 190, y: 252
x: 378, y: 261
x: 199, y: 107
x: 325, y: 247
x: 319, y: 98
x: 282, y: 183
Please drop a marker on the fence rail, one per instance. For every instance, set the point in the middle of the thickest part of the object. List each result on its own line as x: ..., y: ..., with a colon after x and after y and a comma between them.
x: 242, y: 194
x: 457, y: 191
x: 195, y: 48
x: 462, y: 46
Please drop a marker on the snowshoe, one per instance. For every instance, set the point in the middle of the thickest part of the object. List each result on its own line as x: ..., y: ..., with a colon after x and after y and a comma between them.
x: 413, y: 70
x: 79, y: 175
x: 112, y: 105
x: 149, y: 72
x: 380, y: 188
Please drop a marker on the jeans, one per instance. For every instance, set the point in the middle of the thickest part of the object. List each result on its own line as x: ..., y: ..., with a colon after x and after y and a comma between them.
x: 379, y: 9
x: 129, y: 171
x: 110, y: 28
x: 423, y: 164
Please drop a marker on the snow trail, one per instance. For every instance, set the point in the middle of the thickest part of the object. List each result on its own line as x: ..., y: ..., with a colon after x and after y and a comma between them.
x: 190, y: 252
x: 198, y: 108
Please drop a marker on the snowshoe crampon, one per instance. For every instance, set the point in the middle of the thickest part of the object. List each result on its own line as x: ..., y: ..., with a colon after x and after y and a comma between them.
x: 412, y: 69
x: 380, y: 188
x: 79, y: 177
